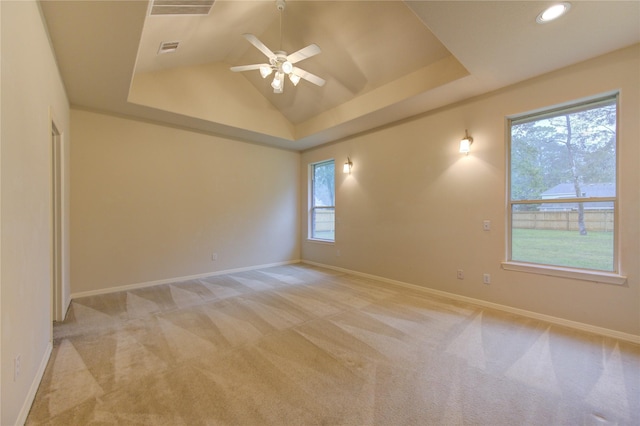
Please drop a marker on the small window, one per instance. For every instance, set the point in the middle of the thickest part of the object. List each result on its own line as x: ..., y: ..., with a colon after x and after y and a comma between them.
x: 322, y: 201
x: 562, y: 186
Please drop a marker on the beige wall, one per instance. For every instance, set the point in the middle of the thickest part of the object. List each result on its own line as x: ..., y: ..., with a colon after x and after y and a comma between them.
x: 151, y: 202
x: 413, y: 207
x: 31, y: 88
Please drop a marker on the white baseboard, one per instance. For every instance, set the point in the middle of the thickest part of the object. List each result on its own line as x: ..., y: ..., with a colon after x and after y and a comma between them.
x: 632, y: 338
x: 176, y: 279
x: 31, y: 395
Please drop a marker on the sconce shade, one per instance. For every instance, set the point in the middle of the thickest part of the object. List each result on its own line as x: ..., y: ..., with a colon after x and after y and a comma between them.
x: 347, y: 166
x: 465, y: 144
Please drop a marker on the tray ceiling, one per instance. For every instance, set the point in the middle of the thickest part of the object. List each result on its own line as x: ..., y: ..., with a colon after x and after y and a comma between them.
x: 383, y: 60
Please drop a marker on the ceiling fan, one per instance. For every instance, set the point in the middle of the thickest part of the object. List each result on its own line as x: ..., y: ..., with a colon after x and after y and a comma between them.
x: 280, y: 63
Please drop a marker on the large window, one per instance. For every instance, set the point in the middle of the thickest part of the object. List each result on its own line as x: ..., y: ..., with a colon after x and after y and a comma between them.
x: 562, y: 186
x: 322, y: 201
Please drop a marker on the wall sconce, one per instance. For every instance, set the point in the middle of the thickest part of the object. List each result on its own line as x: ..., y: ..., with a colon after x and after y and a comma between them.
x: 347, y: 166
x: 465, y: 144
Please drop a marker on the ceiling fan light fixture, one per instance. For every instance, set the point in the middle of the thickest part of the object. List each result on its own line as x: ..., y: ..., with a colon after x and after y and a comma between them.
x: 295, y: 79
x: 265, y: 71
x: 279, y: 62
x: 277, y: 83
x: 287, y: 67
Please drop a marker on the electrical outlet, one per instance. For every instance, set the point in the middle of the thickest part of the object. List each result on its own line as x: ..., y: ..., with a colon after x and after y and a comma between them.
x: 486, y: 278
x: 338, y: 253
x: 460, y: 274
x: 16, y: 368
x: 214, y: 256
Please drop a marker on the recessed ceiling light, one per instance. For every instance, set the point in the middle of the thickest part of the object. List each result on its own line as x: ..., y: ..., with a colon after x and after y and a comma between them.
x: 553, y: 12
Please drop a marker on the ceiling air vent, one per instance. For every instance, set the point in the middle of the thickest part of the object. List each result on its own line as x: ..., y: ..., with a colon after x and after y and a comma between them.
x: 181, y: 7
x: 168, y: 47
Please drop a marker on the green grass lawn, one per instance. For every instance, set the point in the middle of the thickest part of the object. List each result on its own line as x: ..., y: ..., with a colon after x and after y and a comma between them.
x: 564, y: 248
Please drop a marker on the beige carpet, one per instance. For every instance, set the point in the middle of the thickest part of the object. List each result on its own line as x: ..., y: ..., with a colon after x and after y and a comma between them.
x: 298, y: 345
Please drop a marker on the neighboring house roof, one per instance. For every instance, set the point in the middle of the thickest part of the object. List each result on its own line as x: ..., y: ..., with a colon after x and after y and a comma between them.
x: 567, y: 190
x: 588, y: 190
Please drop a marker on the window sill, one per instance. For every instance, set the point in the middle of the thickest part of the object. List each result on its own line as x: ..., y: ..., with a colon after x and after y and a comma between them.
x: 317, y: 240
x: 558, y: 271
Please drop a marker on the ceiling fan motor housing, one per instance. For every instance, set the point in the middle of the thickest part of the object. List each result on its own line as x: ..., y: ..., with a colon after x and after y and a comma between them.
x: 280, y: 62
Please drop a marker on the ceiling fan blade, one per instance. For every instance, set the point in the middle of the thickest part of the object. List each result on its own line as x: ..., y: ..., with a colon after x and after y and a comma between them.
x: 259, y: 45
x: 304, y: 53
x: 248, y: 67
x: 312, y: 78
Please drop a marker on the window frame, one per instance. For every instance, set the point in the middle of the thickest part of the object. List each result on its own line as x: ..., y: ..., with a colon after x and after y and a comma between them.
x: 311, y: 204
x: 601, y: 276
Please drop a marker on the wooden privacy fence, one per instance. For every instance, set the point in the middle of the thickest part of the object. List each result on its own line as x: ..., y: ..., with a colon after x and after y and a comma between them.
x: 594, y: 220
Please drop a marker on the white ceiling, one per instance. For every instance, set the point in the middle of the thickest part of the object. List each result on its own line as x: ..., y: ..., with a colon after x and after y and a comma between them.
x: 383, y: 60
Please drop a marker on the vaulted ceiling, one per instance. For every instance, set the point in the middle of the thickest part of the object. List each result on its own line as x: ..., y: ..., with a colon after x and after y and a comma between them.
x: 382, y: 60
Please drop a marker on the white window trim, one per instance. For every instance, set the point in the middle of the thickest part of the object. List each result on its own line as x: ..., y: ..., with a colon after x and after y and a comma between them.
x: 311, y: 207
x: 562, y: 272
x: 597, y: 276
x: 321, y: 241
